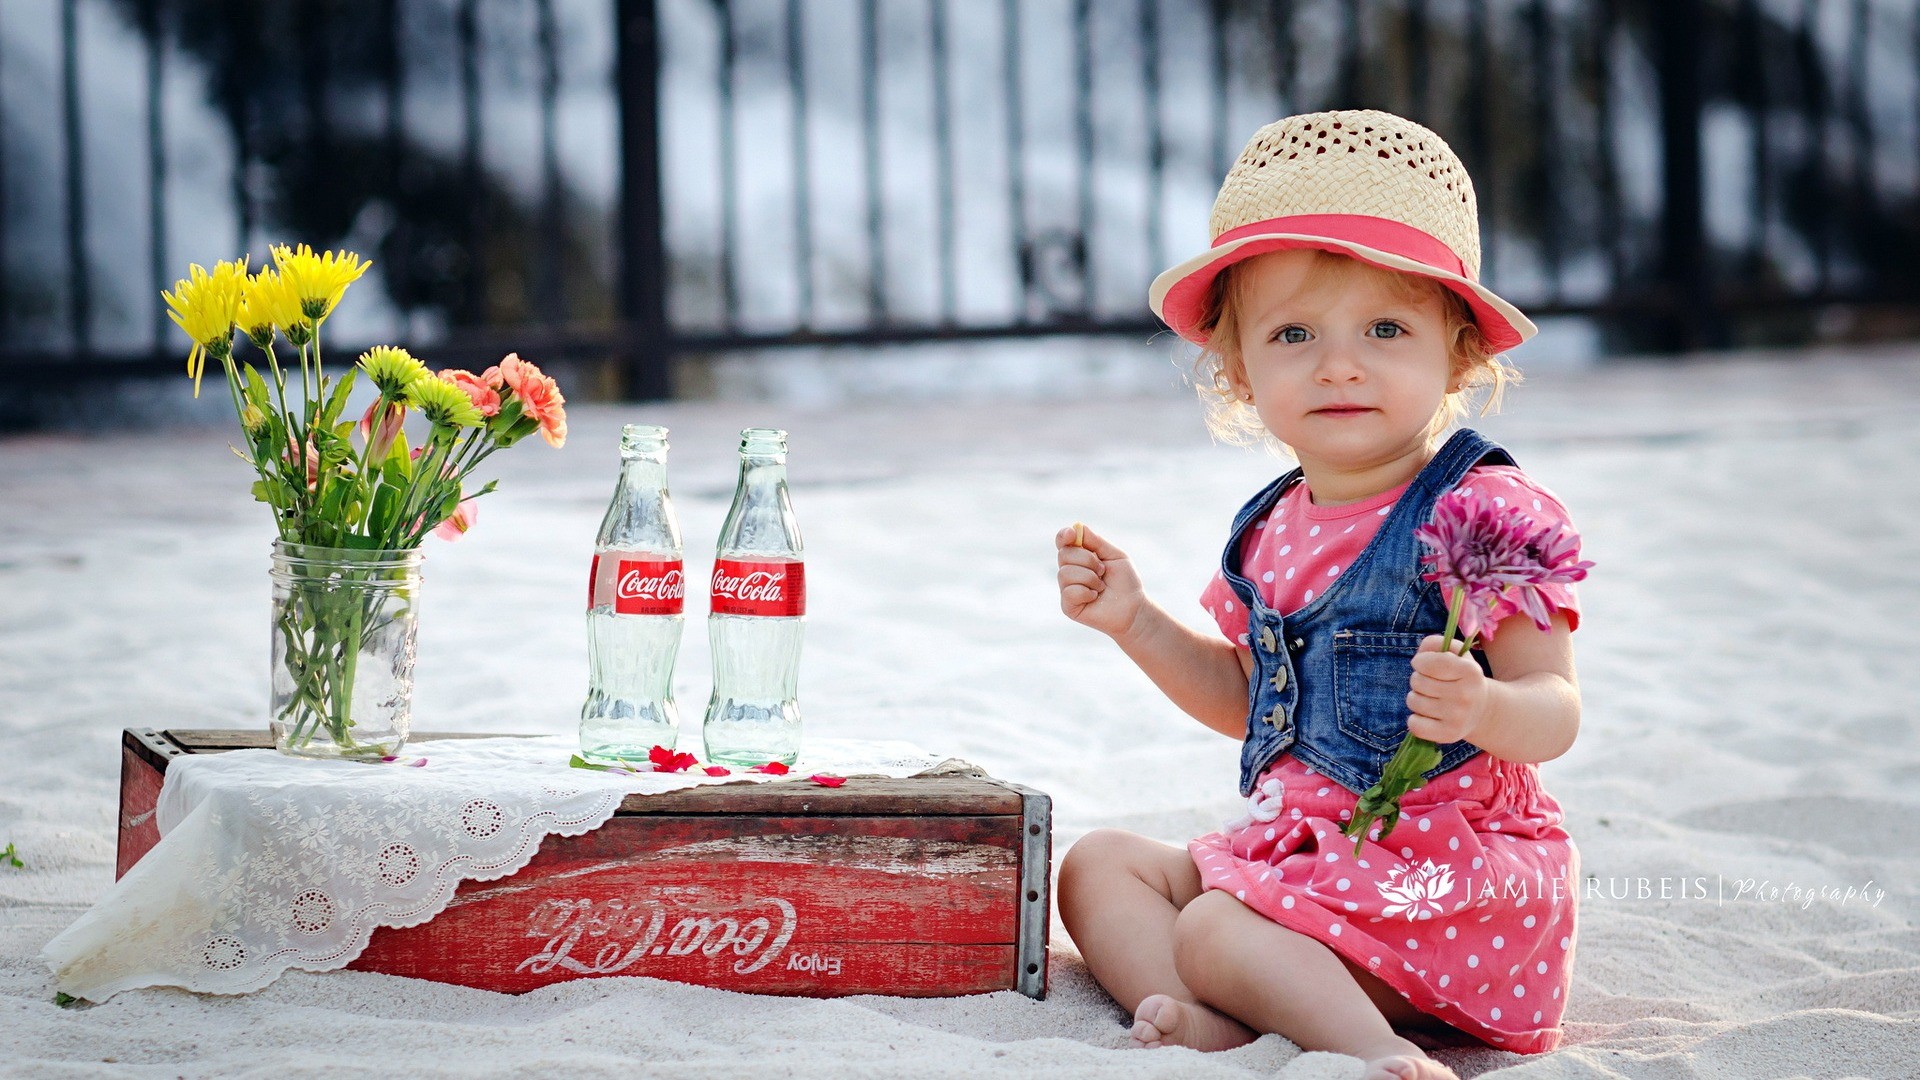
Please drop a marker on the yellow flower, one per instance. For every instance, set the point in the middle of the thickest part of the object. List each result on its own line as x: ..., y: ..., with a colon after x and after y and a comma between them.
x: 443, y: 404
x: 318, y: 280
x: 207, y: 306
x: 393, y: 370
x: 267, y: 302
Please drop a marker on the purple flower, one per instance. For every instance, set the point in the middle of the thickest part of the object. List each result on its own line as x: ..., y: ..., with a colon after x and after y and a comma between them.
x: 1498, y: 558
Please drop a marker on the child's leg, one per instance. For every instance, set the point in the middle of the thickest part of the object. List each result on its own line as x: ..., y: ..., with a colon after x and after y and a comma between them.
x: 1119, y: 896
x: 1276, y: 979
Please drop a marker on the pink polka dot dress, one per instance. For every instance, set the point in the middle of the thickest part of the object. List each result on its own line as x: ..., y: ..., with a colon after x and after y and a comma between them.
x: 1468, y: 907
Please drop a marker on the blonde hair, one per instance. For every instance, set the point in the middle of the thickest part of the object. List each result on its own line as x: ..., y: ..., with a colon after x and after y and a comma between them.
x: 1235, y: 421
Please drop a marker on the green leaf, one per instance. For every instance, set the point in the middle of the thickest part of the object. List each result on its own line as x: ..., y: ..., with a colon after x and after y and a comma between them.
x: 579, y: 762
x: 338, y: 399
x: 12, y: 857
x: 397, y: 469
x: 261, y: 493
x: 256, y: 389
x: 63, y: 999
x: 335, y: 502
x: 387, y: 500
x: 273, y: 436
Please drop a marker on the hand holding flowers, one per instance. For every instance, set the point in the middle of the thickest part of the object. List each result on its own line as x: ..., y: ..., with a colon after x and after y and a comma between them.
x: 1494, y: 562
x: 1448, y: 696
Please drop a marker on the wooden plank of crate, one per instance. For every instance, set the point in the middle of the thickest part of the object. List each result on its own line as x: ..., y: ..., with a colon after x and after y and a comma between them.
x: 770, y: 905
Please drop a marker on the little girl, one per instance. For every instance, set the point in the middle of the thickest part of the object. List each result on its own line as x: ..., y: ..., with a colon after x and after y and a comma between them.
x: 1340, y: 315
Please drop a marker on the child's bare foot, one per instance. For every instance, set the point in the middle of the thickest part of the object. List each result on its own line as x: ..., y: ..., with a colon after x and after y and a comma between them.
x: 1164, y: 1021
x: 1405, y: 1066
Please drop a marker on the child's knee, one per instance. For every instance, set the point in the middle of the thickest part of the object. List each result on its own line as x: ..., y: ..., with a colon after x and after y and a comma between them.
x: 1099, y: 854
x: 1202, y: 938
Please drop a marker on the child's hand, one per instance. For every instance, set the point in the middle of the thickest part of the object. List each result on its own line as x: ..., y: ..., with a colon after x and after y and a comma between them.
x: 1448, y: 695
x: 1098, y: 587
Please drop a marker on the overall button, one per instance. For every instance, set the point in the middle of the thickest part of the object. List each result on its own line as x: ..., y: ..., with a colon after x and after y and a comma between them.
x: 1267, y: 640
x: 1279, y: 679
x: 1276, y: 716
x: 1299, y: 643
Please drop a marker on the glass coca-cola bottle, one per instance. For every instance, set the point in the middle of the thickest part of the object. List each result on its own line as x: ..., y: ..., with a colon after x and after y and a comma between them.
x: 759, y: 600
x: 635, y: 604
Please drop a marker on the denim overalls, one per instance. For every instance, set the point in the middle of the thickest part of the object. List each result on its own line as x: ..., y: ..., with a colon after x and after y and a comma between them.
x: 1330, y: 681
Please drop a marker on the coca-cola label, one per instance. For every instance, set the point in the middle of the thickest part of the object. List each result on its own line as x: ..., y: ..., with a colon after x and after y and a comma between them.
x: 649, y: 587
x: 593, y: 582
x: 741, y: 587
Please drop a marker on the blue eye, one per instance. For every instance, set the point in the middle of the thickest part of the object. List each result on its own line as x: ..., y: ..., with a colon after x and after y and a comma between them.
x: 1292, y: 335
x: 1387, y: 330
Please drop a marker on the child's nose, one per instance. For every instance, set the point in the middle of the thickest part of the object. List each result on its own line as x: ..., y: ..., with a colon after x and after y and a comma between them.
x: 1339, y: 362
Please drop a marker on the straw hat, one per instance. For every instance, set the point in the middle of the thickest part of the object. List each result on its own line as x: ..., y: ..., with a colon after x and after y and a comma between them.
x: 1363, y: 183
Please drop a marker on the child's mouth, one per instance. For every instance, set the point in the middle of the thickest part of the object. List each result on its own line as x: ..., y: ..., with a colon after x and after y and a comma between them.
x: 1344, y: 411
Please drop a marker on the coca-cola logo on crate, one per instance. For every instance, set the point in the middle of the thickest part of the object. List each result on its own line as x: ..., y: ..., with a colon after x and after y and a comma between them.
x: 776, y: 589
x: 649, y: 587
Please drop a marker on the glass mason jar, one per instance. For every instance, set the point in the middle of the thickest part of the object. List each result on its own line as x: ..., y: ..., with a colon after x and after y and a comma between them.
x: 343, y: 644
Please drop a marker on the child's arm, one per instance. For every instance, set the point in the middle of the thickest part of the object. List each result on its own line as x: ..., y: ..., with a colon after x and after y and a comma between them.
x: 1204, y: 675
x: 1528, y: 711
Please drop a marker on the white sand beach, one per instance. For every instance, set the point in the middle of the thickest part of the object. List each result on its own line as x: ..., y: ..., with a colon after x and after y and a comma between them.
x: 1745, y: 659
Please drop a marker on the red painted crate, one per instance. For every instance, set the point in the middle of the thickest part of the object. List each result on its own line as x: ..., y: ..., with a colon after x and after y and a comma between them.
x: 924, y: 887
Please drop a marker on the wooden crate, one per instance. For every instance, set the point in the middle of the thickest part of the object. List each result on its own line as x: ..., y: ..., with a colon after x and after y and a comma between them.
x: 926, y: 887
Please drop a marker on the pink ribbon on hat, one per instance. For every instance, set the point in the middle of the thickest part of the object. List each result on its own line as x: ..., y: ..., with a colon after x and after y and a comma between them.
x: 1381, y: 234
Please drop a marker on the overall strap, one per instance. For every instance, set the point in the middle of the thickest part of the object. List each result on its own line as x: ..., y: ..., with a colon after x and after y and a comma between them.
x: 1393, y: 564
x: 1254, y: 509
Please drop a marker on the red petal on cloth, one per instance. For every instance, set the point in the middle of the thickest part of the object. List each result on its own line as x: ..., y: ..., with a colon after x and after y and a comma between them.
x: 665, y: 760
x: 718, y: 770
x: 827, y: 781
x: 772, y: 768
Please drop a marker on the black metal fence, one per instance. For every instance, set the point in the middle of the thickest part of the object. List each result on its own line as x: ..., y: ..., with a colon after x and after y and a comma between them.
x: 640, y: 180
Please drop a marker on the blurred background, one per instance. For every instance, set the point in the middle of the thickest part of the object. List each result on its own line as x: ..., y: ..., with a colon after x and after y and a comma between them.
x: 825, y: 199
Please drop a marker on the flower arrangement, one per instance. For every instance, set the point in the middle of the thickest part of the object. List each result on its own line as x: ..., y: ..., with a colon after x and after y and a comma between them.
x: 384, y: 493
x: 350, y: 511
x: 1494, y: 561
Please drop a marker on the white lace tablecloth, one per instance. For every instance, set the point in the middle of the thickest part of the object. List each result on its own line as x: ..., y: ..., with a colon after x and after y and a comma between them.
x: 267, y: 861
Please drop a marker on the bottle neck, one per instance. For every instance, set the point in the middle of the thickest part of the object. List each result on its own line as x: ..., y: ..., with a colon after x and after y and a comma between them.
x: 643, y: 468
x: 762, y: 469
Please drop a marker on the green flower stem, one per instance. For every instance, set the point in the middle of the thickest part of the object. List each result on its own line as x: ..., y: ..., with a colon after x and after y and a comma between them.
x: 1453, y: 623
x: 239, y: 408
x: 324, y: 624
x: 428, y: 492
x: 1406, y: 771
x: 288, y: 530
x: 343, y: 686
x: 438, y: 445
x: 279, y: 378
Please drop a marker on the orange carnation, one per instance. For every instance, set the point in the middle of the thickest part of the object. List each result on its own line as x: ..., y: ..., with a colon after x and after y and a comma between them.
x: 539, y: 397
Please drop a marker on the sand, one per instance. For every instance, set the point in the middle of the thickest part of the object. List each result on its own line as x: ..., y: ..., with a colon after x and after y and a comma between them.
x: 1745, y: 664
